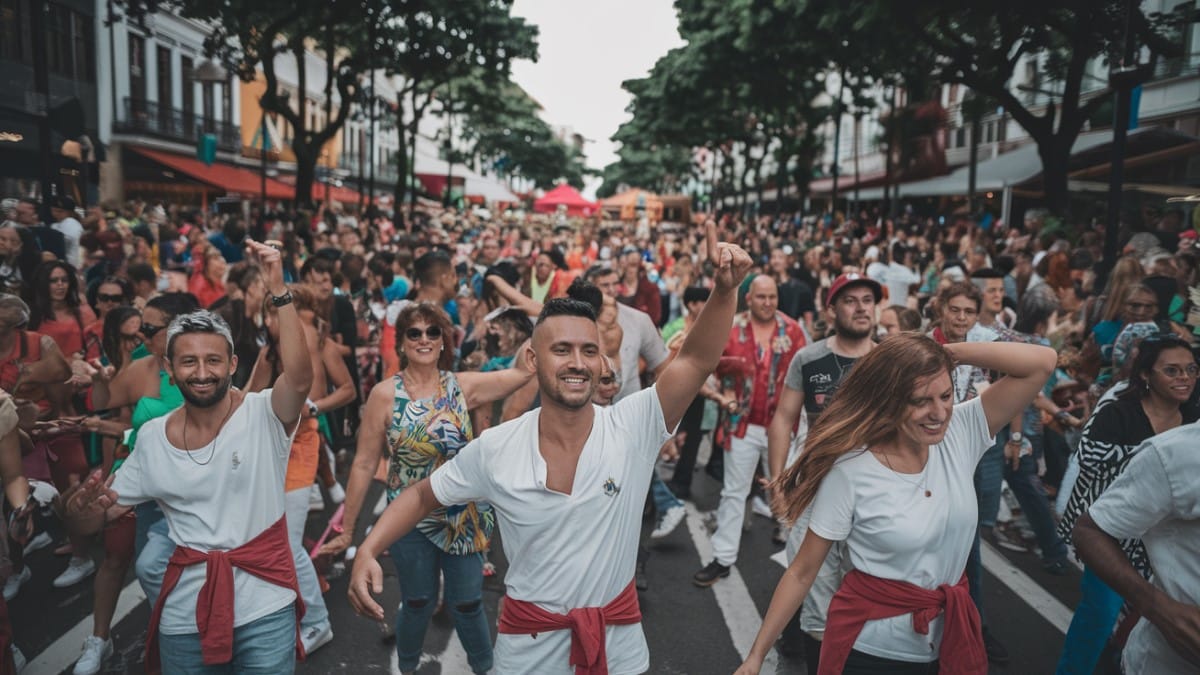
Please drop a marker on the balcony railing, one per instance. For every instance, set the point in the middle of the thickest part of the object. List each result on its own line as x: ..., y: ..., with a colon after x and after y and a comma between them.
x: 150, y: 118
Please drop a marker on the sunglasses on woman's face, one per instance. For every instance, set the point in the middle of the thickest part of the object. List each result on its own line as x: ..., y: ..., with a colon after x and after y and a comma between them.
x: 432, y: 332
x: 149, y: 330
x: 105, y: 297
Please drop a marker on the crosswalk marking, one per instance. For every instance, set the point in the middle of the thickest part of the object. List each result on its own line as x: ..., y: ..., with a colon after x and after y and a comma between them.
x: 737, y: 607
x: 67, y: 648
x: 1026, y: 588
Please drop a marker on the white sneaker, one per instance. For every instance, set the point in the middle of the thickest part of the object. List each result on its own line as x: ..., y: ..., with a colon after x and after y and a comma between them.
x: 38, y: 543
x: 669, y: 521
x: 18, y: 659
x: 77, y: 570
x: 96, y: 651
x: 315, y: 501
x: 316, y: 637
x: 337, y: 494
x: 14, y: 583
x: 759, y: 506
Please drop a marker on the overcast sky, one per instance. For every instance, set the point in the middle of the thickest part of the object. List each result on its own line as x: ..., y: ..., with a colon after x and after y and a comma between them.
x: 586, y: 49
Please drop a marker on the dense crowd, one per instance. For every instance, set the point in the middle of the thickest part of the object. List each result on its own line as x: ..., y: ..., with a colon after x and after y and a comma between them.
x: 417, y: 341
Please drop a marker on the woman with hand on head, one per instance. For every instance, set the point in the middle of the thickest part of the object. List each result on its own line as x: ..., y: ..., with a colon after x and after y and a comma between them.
x: 420, y: 417
x: 888, y: 468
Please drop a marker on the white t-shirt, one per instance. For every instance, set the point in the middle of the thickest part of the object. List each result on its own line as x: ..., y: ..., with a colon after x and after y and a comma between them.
x: 72, y: 231
x: 565, y: 551
x: 1157, y: 500
x: 219, y: 505
x: 893, y: 531
x: 639, y: 337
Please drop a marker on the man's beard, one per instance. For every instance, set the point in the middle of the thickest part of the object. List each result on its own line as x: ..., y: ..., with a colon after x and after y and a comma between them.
x: 849, y: 331
x: 217, y: 395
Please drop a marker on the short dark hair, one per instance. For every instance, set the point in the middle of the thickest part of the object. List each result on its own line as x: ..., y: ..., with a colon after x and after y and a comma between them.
x: 596, y: 271
x: 556, y: 257
x: 585, y: 291
x: 695, y: 294
x: 428, y: 266
x: 174, y: 304
x: 141, y: 272
x: 317, y: 265
x: 382, y: 268
x: 516, y: 320
x: 565, y: 307
x: 987, y: 273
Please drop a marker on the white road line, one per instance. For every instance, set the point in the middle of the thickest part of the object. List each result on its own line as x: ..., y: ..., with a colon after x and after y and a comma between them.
x: 452, y: 660
x: 1026, y: 588
x: 67, y: 648
x: 737, y: 607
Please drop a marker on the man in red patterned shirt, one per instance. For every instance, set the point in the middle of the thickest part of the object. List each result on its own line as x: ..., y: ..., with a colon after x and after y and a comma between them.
x: 761, y: 344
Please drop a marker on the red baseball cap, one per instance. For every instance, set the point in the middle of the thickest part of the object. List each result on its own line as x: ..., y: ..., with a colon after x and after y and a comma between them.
x: 853, y: 278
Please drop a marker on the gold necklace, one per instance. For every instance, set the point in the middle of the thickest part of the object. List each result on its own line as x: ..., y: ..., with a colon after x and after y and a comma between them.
x: 922, y: 484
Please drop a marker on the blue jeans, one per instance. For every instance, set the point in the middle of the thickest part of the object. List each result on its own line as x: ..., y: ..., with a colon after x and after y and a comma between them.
x: 1027, y: 488
x: 418, y: 562
x: 664, y: 499
x: 1091, y: 626
x: 148, y: 514
x: 265, y: 646
x: 151, y: 562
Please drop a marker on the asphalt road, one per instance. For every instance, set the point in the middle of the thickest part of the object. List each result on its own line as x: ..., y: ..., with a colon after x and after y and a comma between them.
x: 690, y: 630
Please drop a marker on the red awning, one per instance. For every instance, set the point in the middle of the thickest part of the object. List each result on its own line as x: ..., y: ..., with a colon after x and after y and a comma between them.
x: 344, y: 195
x: 226, y: 177
x: 565, y: 195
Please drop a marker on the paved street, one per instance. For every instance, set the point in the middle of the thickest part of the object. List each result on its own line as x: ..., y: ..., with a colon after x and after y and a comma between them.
x: 690, y: 630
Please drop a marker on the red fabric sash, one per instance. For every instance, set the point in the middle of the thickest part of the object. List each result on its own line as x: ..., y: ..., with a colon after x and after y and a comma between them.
x: 863, y: 598
x: 267, y: 556
x: 586, y: 625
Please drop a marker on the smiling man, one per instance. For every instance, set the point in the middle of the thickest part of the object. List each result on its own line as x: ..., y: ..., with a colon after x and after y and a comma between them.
x: 216, y: 467
x: 566, y: 468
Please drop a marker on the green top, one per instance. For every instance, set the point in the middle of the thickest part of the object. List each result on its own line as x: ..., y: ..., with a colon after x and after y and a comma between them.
x: 169, y: 398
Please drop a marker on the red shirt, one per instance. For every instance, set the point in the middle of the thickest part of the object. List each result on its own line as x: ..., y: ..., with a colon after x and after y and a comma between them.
x: 586, y: 625
x: 757, y: 378
x: 267, y: 556
x: 863, y: 598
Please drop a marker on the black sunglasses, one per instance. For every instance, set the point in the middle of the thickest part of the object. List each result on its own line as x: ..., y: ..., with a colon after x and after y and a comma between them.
x: 105, y: 297
x: 150, y: 330
x: 414, y: 334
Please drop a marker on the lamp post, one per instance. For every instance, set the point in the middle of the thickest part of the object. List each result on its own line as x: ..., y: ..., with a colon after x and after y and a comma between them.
x: 1122, y: 77
x: 208, y: 72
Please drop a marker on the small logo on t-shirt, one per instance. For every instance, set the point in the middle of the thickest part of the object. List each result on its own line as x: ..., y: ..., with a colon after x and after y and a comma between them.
x: 611, y: 488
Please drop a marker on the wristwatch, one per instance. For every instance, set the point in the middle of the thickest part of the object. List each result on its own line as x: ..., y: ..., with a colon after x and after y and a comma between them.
x: 1015, y: 437
x: 281, y: 300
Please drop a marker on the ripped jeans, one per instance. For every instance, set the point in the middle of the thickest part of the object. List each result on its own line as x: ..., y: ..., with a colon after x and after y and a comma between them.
x: 418, y: 562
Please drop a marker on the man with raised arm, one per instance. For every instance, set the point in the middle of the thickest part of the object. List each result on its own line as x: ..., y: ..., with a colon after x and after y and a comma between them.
x: 568, y: 482
x: 216, y: 467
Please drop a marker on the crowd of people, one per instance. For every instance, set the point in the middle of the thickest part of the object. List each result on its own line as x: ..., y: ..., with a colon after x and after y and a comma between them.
x: 890, y: 392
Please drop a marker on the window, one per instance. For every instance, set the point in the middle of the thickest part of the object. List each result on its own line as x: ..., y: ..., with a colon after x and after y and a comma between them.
x: 165, y: 98
x: 226, y: 102
x: 960, y: 137
x: 14, y: 31
x: 84, y: 47
x: 137, y: 72
x: 187, y: 77
x: 989, y: 132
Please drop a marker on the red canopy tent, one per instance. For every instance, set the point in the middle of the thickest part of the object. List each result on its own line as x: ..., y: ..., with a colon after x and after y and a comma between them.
x: 565, y: 195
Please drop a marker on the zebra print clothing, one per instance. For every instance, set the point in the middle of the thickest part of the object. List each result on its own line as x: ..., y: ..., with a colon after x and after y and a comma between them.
x: 1111, y: 438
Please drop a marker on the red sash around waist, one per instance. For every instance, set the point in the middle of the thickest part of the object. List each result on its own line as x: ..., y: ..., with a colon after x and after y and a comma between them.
x: 267, y: 556
x: 586, y: 625
x: 864, y: 598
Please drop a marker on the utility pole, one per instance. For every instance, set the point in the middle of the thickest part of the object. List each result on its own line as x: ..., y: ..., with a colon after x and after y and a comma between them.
x: 837, y: 137
x: 1122, y: 79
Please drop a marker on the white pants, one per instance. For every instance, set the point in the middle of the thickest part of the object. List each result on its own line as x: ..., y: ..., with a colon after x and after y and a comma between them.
x: 744, y: 453
x: 296, y: 509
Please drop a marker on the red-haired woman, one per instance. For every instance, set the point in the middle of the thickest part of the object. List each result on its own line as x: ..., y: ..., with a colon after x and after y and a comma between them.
x: 888, y: 468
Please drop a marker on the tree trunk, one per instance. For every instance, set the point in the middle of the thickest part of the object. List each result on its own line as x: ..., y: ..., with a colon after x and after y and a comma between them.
x: 302, y: 146
x: 1054, y: 174
x: 306, y: 164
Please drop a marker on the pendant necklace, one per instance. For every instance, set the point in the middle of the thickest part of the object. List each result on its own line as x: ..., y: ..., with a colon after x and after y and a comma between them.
x: 213, y: 444
x: 922, y: 484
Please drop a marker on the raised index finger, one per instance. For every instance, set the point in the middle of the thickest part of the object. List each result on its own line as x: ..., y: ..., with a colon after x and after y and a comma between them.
x: 710, y: 239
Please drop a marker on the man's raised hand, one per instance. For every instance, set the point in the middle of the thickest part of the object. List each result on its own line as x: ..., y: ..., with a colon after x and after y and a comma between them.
x: 730, y: 263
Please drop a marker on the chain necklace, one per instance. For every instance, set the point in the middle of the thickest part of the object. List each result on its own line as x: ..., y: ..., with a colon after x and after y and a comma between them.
x: 922, y: 484
x: 213, y: 444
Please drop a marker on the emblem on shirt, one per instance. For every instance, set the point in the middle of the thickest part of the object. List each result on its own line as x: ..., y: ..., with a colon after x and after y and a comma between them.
x: 611, y: 488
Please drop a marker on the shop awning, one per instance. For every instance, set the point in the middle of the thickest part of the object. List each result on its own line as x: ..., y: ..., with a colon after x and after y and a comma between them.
x: 224, y: 177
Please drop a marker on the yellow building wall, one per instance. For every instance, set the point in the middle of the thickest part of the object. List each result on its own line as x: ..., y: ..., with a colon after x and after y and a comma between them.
x: 251, y: 93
